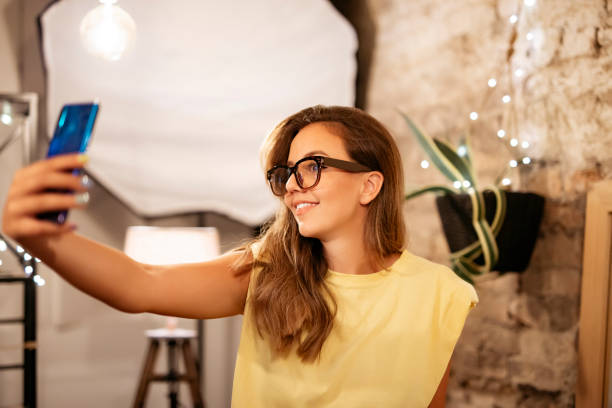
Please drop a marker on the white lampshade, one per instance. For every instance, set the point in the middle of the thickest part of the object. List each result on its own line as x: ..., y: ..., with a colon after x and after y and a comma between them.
x: 171, y: 245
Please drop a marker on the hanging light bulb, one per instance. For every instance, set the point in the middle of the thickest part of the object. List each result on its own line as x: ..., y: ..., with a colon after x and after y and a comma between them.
x: 107, y: 31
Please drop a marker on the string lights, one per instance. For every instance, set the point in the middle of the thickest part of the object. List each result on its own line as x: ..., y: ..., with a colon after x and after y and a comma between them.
x: 508, y: 128
x: 27, y: 261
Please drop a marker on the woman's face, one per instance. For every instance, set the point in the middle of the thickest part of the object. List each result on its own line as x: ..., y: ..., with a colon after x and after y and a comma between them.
x: 332, y: 206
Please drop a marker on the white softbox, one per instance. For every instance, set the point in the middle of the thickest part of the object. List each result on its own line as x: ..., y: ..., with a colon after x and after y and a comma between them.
x: 183, y: 113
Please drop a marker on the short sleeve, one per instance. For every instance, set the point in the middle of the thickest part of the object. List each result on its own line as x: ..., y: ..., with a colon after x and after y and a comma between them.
x: 462, y: 298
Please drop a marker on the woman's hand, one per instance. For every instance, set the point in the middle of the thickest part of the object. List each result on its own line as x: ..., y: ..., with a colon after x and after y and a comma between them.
x: 28, y: 195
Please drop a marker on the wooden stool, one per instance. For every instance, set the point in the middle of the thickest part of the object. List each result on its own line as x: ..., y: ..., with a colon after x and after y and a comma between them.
x: 173, y: 338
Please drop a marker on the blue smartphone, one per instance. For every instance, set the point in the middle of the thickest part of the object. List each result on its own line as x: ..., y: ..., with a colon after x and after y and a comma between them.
x: 72, y: 133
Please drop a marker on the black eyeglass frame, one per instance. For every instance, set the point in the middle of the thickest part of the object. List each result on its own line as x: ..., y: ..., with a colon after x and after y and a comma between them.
x: 322, y: 162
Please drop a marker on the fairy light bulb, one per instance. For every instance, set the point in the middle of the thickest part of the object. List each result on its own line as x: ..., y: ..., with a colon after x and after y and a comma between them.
x: 107, y: 31
x: 3, y: 246
x: 27, y: 257
x: 457, y: 184
x: 506, y: 181
x: 466, y: 183
x: 6, y: 116
x: 28, y: 270
x: 530, y: 36
x: 38, y: 280
x: 474, y: 115
x: 513, y: 163
x: 519, y: 72
x: 492, y: 82
x: 526, y: 160
x: 6, y: 119
x: 424, y: 164
x: 513, y: 19
x: 19, y: 249
x: 513, y: 142
x: 525, y: 144
x: 506, y: 99
x: 529, y: 3
x: 501, y: 133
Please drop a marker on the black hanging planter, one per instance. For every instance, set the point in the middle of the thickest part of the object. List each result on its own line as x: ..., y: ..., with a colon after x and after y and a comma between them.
x: 518, y: 233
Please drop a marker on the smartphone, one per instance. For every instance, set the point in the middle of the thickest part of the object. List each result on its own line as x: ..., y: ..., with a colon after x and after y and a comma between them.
x: 72, y: 133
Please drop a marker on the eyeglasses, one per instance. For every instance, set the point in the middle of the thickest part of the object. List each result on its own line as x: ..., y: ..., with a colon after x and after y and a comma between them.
x: 308, y: 172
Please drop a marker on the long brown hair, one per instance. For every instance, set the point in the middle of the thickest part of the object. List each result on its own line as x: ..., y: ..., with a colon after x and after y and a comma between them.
x: 291, y: 303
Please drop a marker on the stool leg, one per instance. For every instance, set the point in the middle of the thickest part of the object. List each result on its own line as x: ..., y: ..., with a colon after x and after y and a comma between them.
x: 173, y: 384
x: 192, y: 375
x: 146, y: 374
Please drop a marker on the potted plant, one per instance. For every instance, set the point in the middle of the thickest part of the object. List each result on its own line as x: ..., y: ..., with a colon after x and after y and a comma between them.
x: 486, y: 229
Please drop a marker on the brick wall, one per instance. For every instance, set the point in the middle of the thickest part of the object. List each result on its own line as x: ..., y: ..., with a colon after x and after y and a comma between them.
x: 432, y: 60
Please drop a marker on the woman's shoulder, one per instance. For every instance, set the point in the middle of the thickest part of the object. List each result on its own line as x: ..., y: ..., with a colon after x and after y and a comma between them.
x: 438, y: 277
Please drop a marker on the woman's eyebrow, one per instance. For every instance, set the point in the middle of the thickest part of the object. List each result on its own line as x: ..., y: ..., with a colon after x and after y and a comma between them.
x: 320, y: 152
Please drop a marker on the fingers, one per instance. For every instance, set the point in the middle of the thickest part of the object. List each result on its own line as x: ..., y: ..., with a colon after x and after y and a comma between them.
x: 60, y: 163
x: 58, y: 181
x: 37, y: 189
x: 34, y: 204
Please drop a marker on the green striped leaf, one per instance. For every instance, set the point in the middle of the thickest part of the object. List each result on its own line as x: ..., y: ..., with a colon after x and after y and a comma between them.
x: 436, y: 156
x: 462, y: 273
x: 460, y: 164
x: 430, y: 189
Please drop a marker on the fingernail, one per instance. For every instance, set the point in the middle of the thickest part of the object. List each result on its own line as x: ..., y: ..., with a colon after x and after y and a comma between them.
x: 85, y: 181
x: 82, y: 198
x: 83, y: 158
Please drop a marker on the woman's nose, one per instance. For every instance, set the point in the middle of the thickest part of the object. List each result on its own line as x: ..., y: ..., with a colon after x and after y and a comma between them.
x: 291, y: 184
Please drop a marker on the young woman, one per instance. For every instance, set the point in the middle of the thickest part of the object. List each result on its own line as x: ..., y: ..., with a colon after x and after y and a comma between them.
x: 337, y: 313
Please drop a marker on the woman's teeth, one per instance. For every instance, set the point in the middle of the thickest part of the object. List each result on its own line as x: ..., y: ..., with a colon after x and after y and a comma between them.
x: 302, y: 205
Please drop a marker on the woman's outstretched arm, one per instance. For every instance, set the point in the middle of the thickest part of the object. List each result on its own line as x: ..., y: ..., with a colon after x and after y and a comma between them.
x: 203, y: 290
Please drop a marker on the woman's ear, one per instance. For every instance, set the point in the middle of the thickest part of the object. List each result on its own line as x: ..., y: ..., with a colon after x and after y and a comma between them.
x: 372, y: 183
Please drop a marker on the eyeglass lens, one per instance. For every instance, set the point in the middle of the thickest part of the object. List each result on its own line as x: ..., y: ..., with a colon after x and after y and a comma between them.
x: 306, y: 175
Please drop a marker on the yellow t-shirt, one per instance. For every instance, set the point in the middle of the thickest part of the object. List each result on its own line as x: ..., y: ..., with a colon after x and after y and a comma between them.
x: 392, y: 339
